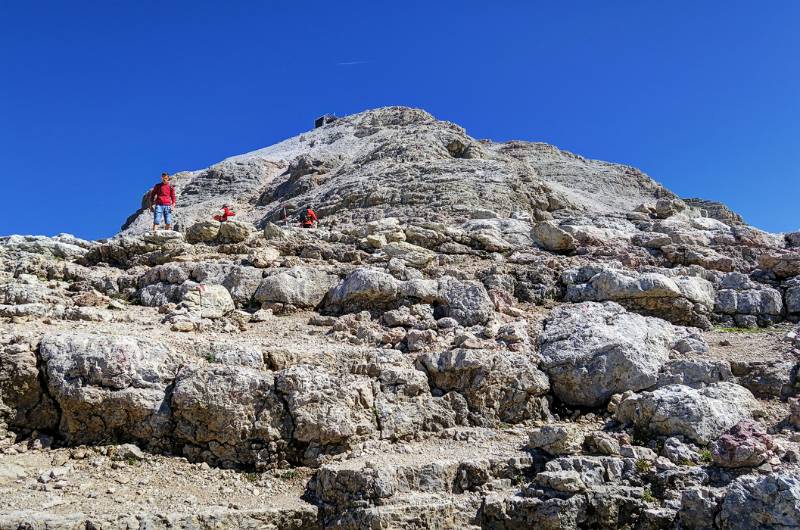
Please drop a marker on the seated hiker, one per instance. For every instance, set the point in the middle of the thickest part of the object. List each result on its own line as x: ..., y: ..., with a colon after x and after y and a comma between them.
x: 308, y: 218
x: 162, y: 200
x: 224, y: 214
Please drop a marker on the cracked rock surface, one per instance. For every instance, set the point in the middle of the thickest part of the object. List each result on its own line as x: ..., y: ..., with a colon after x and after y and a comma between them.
x: 477, y: 335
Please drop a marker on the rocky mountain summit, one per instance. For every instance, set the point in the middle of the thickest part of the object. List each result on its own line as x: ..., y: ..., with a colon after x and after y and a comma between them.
x: 477, y: 335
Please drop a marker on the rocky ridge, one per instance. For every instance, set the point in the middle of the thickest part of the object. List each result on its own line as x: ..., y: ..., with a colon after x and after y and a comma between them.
x: 478, y: 335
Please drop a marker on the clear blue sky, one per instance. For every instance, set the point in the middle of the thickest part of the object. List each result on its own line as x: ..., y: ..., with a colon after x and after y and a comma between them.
x: 97, y: 98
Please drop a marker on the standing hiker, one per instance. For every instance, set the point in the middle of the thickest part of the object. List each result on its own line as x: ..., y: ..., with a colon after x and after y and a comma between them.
x: 308, y: 218
x: 162, y: 200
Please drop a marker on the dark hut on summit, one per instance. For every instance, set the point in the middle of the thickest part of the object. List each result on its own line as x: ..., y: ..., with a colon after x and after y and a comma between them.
x: 324, y: 119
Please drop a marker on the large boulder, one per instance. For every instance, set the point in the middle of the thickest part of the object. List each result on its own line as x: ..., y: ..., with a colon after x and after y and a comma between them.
x: 411, y: 255
x: 328, y: 411
x: 234, y: 232
x: 365, y: 288
x: 24, y: 405
x: 298, y: 286
x: 770, y: 501
x: 684, y: 300
x: 549, y: 236
x: 466, y: 301
x: 211, y: 301
x: 592, y: 350
x: 783, y: 265
x: 242, y: 284
x: 229, y: 415
x: 371, y: 289
x: 699, y: 414
x: 497, y: 385
x: 746, y: 444
x: 109, y: 386
x: 203, y: 232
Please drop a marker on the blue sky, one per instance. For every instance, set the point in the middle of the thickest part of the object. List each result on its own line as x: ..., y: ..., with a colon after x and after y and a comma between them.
x: 97, y: 98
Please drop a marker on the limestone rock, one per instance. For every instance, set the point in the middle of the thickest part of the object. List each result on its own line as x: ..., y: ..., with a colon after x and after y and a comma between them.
x: 203, y: 232
x: 411, y: 255
x: 496, y: 385
x: 771, y: 501
x: 327, y: 409
x: 557, y: 440
x: 234, y: 232
x: 210, y: 301
x: 550, y: 237
x: 109, y: 386
x: 229, y: 415
x: 699, y: 414
x: 298, y: 286
x: 591, y: 351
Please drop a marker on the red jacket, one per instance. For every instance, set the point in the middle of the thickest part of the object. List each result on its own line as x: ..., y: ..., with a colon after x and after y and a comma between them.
x: 224, y: 215
x: 163, y: 194
x: 310, y: 217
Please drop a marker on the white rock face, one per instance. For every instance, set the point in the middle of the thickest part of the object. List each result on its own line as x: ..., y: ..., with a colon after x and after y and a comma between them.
x: 591, y: 351
x: 298, y: 286
x: 211, y: 301
x: 107, y: 384
x: 762, y: 502
x: 700, y: 414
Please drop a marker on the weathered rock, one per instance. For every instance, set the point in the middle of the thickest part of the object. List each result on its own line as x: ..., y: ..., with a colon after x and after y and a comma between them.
x: 501, y: 386
x: 557, y: 440
x: 234, y: 232
x: 746, y: 444
x: 767, y: 378
x: 679, y: 452
x: 591, y: 351
x: 550, y: 237
x: 326, y: 409
x: 699, y: 507
x: 263, y: 257
x: 409, y: 254
x: 210, y: 301
x: 699, y: 414
x: 681, y: 300
x: 771, y: 501
x: 783, y: 265
x: 694, y: 373
x: 242, y: 283
x: 229, y: 415
x: 466, y: 301
x: 203, y: 232
x: 24, y: 404
x: 109, y: 386
x: 298, y: 286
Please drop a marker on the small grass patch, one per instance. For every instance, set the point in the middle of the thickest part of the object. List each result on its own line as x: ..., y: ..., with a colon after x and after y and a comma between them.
x: 210, y: 357
x: 643, y: 465
x: 252, y: 477
x: 648, y: 497
x: 289, y: 475
x: 687, y: 462
x: 705, y: 456
x: 132, y: 461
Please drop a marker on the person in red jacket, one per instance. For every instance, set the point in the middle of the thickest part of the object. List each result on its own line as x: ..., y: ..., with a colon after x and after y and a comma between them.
x: 226, y: 212
x: 308, y: 218
x: 162, y: 200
